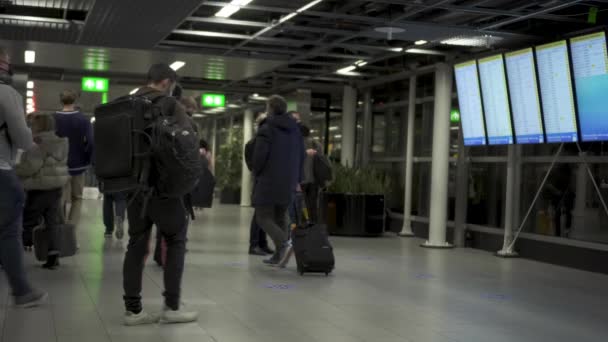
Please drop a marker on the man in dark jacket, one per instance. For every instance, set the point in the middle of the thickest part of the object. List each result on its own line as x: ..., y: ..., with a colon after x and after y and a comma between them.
x: 74, y: 125
x: 277, y: 166
x: 170, y: 217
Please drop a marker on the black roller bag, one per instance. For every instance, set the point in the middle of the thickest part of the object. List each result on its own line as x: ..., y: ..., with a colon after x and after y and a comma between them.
x: 313, y: 251
x: 67, y: 240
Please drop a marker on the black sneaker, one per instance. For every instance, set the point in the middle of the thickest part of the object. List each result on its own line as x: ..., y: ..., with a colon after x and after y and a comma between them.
x: 274, y: 260
x: 267, y: 250
x: 52, y: 262
x: 256, y: 251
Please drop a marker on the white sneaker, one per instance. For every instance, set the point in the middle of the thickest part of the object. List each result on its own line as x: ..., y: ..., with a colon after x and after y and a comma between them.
x: 120, y: 228
x: 141, y: 318
x: 182, y: 315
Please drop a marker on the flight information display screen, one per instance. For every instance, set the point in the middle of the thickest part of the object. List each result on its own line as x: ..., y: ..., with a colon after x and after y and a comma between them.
x: 469, y: 100
x: 525, y: 99
x: 556, y: 92
x: 590, y: 65
x: 496, y: 100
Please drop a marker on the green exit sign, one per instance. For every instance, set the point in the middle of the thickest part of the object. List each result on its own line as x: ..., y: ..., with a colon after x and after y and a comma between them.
x: 95, y: 84
x: 455, y: 116
x: 213, y: 100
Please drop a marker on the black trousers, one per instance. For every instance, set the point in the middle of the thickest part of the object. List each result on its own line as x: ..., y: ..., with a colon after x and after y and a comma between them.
x: 257, y: 236
x: 43, y: 206
x: 171, y: 218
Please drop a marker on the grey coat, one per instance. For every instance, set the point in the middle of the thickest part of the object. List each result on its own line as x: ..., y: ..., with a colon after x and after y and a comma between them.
x: 45, y: 167
x: 14, y: 133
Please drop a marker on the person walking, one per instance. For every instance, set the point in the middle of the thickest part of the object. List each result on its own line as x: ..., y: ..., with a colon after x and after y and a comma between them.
x: 14, y: 136
x: 170, y: 217
x: 278, y: 158
x: 43, y: 171
x: 74, y: 125
x: 114, y: 214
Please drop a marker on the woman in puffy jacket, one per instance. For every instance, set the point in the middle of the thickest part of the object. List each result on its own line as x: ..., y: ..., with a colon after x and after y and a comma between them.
x: 43, y: 171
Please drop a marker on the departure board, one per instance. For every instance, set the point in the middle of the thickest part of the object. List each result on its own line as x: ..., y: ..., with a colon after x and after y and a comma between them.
x: 469, y: 99
x: 556, y: 92
x: 495, y: 99
x: 590, y: 66
x: 525, y: 99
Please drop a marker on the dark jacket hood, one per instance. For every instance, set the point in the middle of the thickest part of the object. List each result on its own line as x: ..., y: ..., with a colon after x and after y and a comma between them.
x: 283, y: 122
x: 6, y: 78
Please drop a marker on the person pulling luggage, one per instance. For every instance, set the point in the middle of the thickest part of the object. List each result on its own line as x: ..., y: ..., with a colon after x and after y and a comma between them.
x: 43, y: 171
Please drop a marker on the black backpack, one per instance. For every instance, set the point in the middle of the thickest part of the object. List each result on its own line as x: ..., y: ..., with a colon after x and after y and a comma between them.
x: 323, y: 171
x: 141, y: 146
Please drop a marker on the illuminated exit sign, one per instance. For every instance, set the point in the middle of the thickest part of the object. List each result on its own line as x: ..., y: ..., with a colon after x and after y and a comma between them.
x: 213, y: 100
x: 95, y: 84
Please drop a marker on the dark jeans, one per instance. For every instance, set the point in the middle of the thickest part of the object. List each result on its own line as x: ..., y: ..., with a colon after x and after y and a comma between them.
x: 273, y: 220
x: 12, y: 201
x: 171, y: 218
x: 257, y: 236
x: 113, y: 205
x: 45, y: 205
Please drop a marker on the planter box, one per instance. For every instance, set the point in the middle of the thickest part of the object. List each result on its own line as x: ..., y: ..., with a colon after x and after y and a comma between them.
x: 230, y: 196
x: 353, y: 215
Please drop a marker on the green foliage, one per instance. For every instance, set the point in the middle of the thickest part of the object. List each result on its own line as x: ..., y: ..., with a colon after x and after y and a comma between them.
x: 367, y: 180
x: 228, y: 167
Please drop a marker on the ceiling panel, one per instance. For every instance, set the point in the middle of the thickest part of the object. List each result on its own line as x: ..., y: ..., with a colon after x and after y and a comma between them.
x: 134, y: 23
x: 130, y: 61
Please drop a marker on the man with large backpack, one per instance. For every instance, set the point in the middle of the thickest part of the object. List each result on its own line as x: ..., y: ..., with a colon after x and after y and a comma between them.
x: 163, y: 169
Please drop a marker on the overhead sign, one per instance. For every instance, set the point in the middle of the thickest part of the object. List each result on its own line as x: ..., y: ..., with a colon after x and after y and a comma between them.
x: 213, y: 100
x: 455, y: 116
x: 95, y: 84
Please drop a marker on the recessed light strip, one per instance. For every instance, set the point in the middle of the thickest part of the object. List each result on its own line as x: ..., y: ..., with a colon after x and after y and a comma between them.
x: 231, y: 8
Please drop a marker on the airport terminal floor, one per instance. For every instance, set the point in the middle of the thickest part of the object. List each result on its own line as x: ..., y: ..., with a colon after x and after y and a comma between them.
x: 385, y: 289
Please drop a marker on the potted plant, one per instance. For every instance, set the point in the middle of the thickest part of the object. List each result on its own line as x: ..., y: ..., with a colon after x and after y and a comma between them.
x: 354, y: 204
x: 228, y: 168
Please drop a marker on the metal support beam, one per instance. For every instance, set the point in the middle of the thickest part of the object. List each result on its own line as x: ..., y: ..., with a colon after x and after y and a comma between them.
x: 368, y: 129
x: 246, y: 181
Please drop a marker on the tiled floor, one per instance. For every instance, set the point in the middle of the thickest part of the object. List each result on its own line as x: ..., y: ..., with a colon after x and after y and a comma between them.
x: 384, y: 290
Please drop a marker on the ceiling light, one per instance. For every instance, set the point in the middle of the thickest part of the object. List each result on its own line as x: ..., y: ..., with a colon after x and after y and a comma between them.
x: 287, y: 17
x: 472, y: 41
x: 134, y: 91
x: 338, y: 136
x: 256, y: 95
x: 29, y: 101
x: 30, y: 84
x: 347, y: 70
x: 177, y: 65
x: 30, y: 56
x: 334, y: 128
x: 233, y: 105
x: 425, y: 52
x: 231, y: 8
x: 360, y: 63
x: 397, y: 49
x: 30, y: 93
x: 307, y: 6
x: 420, y: 42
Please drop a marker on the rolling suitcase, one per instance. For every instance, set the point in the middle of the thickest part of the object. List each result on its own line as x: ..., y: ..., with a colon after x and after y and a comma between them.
x: 67, y: 242
x: 312, y: 248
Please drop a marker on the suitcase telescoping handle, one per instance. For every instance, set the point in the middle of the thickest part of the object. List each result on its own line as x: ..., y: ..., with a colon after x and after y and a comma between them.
x: 302, y: 214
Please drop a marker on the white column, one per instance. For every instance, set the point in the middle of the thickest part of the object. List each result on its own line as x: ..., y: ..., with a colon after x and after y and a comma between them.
x: 349, y: 126
x: 406, y: 231
x: 511, y: 189
x: 366, y: 147
x: 246, y: 174
x: 440, y: 159
x: 462, y: 194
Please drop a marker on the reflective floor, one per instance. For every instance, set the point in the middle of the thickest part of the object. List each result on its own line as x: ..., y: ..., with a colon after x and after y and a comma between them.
x: 384, y: 290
